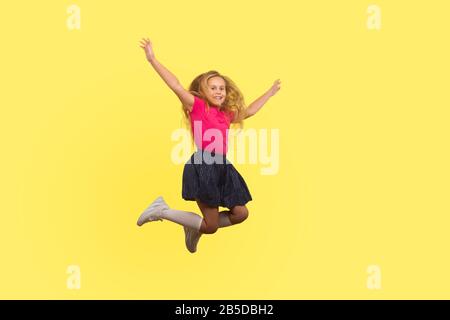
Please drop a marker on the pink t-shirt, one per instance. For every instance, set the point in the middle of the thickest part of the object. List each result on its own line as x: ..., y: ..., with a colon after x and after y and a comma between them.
x: 210, y: 127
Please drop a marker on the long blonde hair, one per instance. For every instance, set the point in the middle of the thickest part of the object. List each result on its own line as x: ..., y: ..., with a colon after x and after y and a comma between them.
x: 234, y: 100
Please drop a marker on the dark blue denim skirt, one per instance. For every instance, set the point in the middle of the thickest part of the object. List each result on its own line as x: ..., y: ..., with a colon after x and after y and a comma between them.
x: 213, y: 180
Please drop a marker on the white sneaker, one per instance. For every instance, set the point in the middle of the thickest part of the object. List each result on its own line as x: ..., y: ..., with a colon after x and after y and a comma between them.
x: 191, y: 238
x: 153, y: 212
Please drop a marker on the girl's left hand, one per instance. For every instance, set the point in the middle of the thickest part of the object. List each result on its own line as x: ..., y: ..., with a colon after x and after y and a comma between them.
x: 275, y: 87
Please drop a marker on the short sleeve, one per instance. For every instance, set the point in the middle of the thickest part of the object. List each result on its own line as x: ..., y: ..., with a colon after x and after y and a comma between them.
x: 198, y: 107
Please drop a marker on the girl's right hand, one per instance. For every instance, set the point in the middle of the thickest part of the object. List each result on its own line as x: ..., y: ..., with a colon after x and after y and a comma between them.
x: 147, y: 46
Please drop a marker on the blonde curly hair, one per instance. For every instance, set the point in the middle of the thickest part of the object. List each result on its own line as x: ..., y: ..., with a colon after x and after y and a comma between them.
x: 234, y: 99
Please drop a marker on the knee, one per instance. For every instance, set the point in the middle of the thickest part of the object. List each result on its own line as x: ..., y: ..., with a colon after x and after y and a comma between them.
x: 244, y: 214
x: 241, y: 214
x: 210, y: 229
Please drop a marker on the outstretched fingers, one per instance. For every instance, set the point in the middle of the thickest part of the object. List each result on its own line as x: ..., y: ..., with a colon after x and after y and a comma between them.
x: 275, y: 87
x: 144, y: 42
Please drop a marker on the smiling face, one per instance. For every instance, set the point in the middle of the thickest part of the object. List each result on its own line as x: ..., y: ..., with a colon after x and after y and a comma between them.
x: 216, y: 90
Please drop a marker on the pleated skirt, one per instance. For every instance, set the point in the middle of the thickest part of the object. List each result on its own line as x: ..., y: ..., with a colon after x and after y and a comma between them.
x: 213, y: 180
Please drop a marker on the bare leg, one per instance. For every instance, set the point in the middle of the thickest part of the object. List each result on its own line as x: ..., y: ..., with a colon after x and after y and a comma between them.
x: 236, y: 215
x: 210, y: 222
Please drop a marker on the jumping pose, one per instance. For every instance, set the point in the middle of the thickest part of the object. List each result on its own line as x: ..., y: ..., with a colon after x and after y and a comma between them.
x: 212, y: 102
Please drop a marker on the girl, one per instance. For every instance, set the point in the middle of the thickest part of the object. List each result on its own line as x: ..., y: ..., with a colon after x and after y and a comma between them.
x: 211, y: 104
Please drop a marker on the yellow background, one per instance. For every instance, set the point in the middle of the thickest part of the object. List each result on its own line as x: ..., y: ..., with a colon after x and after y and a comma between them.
x: 363, y: 119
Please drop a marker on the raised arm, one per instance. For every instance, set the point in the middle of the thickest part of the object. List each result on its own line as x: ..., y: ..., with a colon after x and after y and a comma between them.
x: 186, y: 98
x: 256, y: 105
